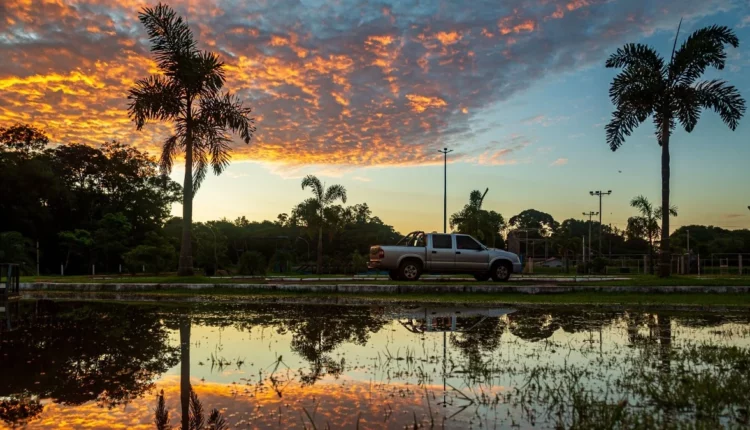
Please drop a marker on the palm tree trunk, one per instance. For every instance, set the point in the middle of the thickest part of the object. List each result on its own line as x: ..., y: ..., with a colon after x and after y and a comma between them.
x: 185, y: 267
x: 185, y: 372
x: 664, y: 264
x: 320, y: 249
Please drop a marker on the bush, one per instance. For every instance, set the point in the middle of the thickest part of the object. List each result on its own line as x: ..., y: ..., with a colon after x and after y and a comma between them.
x: 252, y: 263
x: 599, y: 265
x: 155, y: 258
x: 359, y: 262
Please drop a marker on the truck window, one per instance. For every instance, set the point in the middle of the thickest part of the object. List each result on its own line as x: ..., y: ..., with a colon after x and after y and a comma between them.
x: 466, y: 242
x: 442, y: 241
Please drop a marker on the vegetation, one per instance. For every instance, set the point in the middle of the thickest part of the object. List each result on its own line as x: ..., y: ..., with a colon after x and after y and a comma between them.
x: 187, y: 92
x: 317, y: 211
x: 646, y: 224
x: 671, y: 92
x: 478, y: 222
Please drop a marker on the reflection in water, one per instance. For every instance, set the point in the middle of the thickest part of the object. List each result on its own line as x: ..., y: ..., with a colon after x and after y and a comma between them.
x: 286, y: 366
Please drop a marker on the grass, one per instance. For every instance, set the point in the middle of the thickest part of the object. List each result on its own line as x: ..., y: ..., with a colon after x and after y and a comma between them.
x: 221, y: 294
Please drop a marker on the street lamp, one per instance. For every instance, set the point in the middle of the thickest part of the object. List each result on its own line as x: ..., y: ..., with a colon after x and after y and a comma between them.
x: 445, y: 152
x: 600, y: 194
x: 590, y: 214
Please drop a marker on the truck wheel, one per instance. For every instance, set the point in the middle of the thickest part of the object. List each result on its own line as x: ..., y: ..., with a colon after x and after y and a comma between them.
x: 501, y: 271
x: 393, y: 275
x: 481, y: 277
x: 410, y: 270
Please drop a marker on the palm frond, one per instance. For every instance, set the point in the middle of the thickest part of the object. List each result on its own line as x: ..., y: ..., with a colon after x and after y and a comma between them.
x: 200, y: 166
x: 702, y: 49
x: 687, y: 106
x: 660, y: 119
x: 154, y: 98
x: 335, y: 192
x: 723, y: 98
x: 168, y: 152
x: 161, y: 414
x: 171, y: 39
x: 643, y: 205
x: 624, y: 120
x: 208, y: 71
x: 216, y: 421
x: 637, y: 56
x: 226, y: 111
x: 658, y: 212
x: 197, y: 419
x: 312, y: 182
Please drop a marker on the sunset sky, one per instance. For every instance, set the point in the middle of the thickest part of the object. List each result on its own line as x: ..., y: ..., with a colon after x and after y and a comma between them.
x: 364, y: 93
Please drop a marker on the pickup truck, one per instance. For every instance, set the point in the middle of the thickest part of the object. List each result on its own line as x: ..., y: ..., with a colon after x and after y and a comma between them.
x: 418, y: 252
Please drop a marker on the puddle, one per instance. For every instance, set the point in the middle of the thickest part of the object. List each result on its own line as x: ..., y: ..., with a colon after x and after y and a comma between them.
x: 76, y: 364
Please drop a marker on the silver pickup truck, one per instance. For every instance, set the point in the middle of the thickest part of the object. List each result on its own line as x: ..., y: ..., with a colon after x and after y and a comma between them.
x: 420, y: 252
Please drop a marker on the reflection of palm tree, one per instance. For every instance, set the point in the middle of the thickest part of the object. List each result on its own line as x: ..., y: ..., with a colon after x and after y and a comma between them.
x: 185, y: 387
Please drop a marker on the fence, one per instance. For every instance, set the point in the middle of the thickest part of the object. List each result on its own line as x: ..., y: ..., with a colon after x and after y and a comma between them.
x: 10, y: 280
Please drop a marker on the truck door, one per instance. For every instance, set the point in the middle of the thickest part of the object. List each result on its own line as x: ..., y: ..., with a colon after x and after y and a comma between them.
x: 471, y: 255
x: 440, y: 252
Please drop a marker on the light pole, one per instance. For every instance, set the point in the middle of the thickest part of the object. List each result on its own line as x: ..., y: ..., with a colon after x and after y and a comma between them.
x: 445, y: 152
x: 590, y: 214
x: 600, y: 194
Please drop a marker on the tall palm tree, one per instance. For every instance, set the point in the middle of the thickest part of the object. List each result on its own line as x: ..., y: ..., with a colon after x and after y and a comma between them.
x: 671, y: 92
x: 323, y: 197
x: 187, y: 92
x: 647, y: 225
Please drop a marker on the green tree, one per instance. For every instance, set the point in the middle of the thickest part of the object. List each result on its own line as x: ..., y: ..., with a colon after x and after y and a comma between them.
x: 76, y: 242
x: 187, y: 92
x: 671, y: 92
x: 323, y: 198
x: 542, y: 222
x: 112, y: 235
x: 646, y: 225
x: 14, y: 248
x: 156, y: 254
x: 480, y: 223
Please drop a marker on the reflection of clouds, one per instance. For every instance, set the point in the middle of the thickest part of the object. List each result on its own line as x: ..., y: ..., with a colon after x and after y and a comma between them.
x: 337, y: 83
x: 338, y: 403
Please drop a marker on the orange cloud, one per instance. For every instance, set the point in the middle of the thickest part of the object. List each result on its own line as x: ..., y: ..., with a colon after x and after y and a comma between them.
x: 448, y: 38
x: 422, y: 103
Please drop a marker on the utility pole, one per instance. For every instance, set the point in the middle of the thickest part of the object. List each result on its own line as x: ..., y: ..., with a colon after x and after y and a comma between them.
x: 445, y: 152
x: 590, y: 214
x: 600, y: 194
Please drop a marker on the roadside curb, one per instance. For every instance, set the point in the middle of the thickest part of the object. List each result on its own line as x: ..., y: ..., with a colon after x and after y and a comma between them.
x: 393, y: 289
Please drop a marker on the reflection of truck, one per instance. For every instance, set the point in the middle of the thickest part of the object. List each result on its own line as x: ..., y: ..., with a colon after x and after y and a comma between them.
x: 418, y: 252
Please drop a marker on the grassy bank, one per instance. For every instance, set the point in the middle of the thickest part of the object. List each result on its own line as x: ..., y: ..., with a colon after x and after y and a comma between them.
x: 230, y: 294
x: 635, y: 280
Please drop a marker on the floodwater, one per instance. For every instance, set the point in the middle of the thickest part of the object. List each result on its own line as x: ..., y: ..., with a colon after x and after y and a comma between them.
x: 88, y: 364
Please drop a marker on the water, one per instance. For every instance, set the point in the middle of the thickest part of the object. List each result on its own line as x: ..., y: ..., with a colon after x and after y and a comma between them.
x: 78, y: 364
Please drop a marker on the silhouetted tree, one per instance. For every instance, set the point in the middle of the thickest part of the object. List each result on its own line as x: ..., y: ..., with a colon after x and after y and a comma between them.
x: 188, y: 92
x: 323, y: 198
x: 671, y: 92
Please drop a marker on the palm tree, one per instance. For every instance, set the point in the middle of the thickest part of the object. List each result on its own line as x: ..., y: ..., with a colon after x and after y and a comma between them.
x: 187, y: 91
x: 647, y: 225
x: 480, y: 223
x: 323, y: 197
x: 671, y: 92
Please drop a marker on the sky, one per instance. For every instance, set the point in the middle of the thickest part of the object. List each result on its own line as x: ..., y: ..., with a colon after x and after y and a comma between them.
x: 365, y: 93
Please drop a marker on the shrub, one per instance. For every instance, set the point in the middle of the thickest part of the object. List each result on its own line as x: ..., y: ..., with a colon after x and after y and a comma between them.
x: 252, y: 263
x: 155, y: 258
x: 359, y: 262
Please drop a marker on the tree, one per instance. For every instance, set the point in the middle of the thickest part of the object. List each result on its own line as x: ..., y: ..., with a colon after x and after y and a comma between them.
x: 542, y: 222
x: 480, y: 223
x: 76, y: 242
x: 112, y: 235
x: 187, y: 92
x: 671, y: 92
x: 156, y: 255
x: 323, y: 197
x: 646, y: 225
x: 23, y: 138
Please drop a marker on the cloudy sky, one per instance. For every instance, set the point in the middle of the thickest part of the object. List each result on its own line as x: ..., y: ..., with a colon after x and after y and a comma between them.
x: 364, y: 93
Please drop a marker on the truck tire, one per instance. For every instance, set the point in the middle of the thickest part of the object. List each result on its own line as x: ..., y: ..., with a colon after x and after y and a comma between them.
x: 500, y: 271
x: 410, y: 270
x: 481, y: 277
x: 393, y: 275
